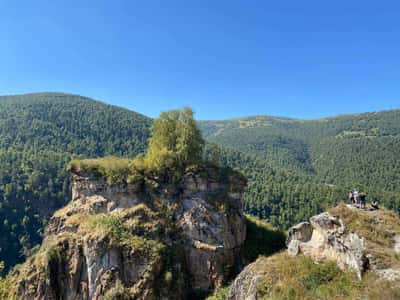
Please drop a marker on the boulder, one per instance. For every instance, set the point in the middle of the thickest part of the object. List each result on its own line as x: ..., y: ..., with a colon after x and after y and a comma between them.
x: 325, y: 238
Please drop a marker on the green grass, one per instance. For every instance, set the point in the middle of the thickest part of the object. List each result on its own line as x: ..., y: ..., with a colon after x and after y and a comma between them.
x: 137, y: 170
x: 115, y: 169
x: 287, y: 278
x: 113, y: 228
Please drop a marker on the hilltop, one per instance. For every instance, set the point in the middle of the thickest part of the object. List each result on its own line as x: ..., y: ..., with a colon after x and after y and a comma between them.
x: 70, y: 123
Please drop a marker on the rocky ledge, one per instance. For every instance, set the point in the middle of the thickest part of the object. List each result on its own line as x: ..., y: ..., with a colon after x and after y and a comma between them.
x: 148, y: 240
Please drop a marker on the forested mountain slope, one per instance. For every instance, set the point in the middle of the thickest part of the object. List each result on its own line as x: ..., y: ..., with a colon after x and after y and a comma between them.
x: 352, y: 151
x: 304, y: 143
x: 39, y: 134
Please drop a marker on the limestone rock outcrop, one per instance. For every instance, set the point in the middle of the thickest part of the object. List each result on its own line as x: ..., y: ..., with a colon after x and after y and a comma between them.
x: 132, y: 241
x: 325, y: 238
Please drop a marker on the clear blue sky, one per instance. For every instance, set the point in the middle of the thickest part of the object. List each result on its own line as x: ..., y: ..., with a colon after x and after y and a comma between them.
x: 226, y: 59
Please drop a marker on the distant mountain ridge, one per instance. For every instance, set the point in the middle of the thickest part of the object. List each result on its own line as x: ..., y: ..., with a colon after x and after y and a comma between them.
x: 307, y: 144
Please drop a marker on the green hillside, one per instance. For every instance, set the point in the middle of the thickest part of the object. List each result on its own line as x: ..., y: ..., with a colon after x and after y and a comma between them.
x: 302, y: 165
x: 39, y: 135
x: 307, y: 144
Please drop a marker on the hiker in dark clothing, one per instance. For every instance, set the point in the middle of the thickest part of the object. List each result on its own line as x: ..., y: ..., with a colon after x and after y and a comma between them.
x: 362, y: 198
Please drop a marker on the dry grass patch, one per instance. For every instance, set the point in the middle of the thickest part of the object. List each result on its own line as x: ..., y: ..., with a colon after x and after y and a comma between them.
x: 378, y: 228
x: 286, y: 277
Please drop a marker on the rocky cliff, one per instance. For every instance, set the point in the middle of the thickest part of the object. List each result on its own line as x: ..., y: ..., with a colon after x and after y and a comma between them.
x: 147, y: 240
x: 345, y: 253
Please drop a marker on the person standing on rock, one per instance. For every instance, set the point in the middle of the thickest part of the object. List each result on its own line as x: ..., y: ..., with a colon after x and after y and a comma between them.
x: 363, y: 200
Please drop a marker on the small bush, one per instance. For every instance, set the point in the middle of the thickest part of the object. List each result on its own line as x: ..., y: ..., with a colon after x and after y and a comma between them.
x: 118, y: 292
x: 219, y: 294
x: 320, y: 275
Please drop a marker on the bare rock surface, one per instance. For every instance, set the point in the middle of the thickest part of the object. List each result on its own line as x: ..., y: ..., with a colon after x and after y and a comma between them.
x: 158, y: 243
x: 324, y: 238
x: 245, y: 286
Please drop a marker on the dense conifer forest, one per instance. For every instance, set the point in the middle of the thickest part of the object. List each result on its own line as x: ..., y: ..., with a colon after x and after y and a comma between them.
x: 295, y: 168
x: 39, y: 135
x: 302, y: 166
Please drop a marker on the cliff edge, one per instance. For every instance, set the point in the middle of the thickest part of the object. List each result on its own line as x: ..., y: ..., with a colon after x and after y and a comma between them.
x: 148, y: 239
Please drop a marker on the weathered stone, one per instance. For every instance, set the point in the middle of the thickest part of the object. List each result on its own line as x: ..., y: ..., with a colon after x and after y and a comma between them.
x: 245, y: 286
x: 301, y: 232
x: 328, y: 242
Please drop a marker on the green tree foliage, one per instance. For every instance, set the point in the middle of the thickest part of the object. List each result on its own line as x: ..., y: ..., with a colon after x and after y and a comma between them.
x: 175, y: 141
x: 283, y: 196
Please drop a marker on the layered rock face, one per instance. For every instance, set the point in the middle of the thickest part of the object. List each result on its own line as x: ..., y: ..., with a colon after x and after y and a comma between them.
x: 132, y: 241
x: 324, y: 238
